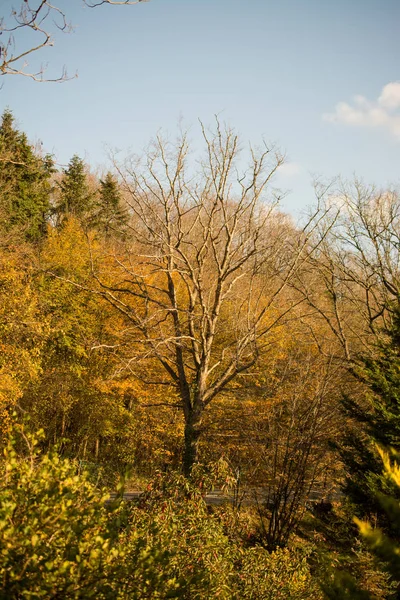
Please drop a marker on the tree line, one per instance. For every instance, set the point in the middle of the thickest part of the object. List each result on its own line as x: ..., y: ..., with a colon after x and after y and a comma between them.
x: 166, y: 318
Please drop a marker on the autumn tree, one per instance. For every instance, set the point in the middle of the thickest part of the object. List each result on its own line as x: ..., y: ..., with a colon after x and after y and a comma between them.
x: 76, y: 398
x: 202, y: 280
x: 23, y: 330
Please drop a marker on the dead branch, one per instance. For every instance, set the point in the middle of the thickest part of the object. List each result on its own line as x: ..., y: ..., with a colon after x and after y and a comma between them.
x: 41, y: 18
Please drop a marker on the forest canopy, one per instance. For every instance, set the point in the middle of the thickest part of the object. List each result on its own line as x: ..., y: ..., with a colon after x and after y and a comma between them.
x: 166, y: 328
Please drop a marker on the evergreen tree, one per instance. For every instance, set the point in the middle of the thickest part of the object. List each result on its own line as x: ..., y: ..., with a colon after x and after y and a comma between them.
x: 76, y: 198
x: 24, y: 183
x: 111, y: 216
x: 378, y: 424
x: 373, y: 424
x: 384, y: 548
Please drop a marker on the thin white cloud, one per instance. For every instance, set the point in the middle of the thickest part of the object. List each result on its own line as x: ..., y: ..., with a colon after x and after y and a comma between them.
x: 289, y: 169
x: 383, y: 113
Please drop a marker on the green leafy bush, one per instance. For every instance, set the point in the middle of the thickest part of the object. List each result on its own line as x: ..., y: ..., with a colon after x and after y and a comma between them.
x: 215, y: 563
x: 55, y: 539
x: 281, y: 574
x: 60, y: 539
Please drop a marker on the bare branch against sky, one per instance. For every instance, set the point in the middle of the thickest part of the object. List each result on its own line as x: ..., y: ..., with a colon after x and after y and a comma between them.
x: 39, y: 18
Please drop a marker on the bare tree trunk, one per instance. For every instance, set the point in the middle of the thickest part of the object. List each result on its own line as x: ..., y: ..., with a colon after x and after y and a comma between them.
x: 191, y: 442
x: 84, y: 448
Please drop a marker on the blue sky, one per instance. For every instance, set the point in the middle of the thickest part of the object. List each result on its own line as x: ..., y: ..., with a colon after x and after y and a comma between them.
x: 312, y: 76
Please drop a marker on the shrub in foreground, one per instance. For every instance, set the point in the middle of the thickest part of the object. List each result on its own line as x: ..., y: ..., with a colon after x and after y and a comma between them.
x: 59, y: 539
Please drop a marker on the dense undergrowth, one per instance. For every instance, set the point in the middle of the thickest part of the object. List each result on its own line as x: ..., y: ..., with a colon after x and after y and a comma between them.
x: 62, y: 539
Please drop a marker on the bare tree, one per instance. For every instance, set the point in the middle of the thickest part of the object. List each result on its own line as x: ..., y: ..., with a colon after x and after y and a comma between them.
x: 277, y: 436
x: 202, y: 284
x: 36, y: 20
x: 357, y: 267
x: 293, y: 446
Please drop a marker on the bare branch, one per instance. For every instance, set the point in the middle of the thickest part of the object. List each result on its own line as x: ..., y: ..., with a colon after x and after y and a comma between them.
x: 40, y: 18
x: 205, y: 278
x: 357, y: 264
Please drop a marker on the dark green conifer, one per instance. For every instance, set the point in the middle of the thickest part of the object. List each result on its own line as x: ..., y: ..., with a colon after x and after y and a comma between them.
x: 377, y: 424
x: 344, y: 587
x: 111, y: 217
x: 24, y: 183
x: 385, y: 548
x: 75, y: 198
